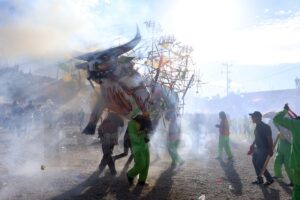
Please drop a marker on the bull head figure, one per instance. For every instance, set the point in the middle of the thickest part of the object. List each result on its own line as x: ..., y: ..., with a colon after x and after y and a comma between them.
x: 100, y: 64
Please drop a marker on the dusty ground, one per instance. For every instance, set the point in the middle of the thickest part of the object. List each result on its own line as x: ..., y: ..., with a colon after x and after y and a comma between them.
x: 71, y: 173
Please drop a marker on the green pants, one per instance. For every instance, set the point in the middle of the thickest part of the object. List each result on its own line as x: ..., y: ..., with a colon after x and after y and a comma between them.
x: 224, y: 144
x: 296, y: 192
x: 141, y: 158
x: 172, y: 149
x: 296, y: 181
x: 283, y: 154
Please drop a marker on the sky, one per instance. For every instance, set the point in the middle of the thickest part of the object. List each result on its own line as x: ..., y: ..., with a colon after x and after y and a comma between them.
x: 258, y: 39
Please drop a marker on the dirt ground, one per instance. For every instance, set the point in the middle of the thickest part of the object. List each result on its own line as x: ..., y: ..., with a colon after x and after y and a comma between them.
x: 71, y: 173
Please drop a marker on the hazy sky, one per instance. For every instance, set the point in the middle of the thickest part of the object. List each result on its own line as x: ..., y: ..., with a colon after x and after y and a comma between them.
x: 260, y: 38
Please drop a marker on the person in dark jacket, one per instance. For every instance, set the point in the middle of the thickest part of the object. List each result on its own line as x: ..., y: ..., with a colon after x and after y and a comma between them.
x: 262, y: 147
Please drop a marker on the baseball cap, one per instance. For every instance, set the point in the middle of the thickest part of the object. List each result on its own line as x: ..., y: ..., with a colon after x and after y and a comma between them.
x: 256, y: 114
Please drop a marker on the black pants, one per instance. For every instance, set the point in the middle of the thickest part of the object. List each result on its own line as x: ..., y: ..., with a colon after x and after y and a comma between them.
x: 107, y: 159
x: 258, y: 159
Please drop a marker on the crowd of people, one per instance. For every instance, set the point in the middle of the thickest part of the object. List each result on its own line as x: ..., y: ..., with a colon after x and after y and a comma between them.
x: 136, y: 138
x: 17, y: 116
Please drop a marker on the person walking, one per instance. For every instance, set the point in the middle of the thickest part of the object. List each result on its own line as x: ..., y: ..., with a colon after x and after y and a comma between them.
x: 224, y: 136
x: 294, y: 126
x: 283, y: 154
x: 262, y: 147
x: 173, y: 138
x: 108, y: 134
x: 138, y: 129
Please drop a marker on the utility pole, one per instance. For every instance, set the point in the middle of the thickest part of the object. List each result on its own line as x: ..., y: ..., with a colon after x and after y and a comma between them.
x: 228, y: 80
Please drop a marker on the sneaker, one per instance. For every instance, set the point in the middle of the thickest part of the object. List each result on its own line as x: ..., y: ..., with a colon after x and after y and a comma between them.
x: 257, y: 182
x: 268, y: 183
x: 143, y: 183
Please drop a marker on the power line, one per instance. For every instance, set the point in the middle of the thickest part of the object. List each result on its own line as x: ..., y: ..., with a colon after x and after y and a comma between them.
x: 274, y: 74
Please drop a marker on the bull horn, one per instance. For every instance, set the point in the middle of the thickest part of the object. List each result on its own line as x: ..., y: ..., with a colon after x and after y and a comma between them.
x: 117, y: 51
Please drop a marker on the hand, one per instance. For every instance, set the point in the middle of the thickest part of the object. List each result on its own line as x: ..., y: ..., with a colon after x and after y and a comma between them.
x: 286, y: 106
x: 146, y: 139
x: 271, y: 153
x: 251, y: 150
x: 281, y: 136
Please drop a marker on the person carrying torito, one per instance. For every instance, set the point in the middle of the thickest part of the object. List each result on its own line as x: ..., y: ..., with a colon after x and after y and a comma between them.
x: 294, y: 126
x: 138, y: 129
x: 108, y: 134
x: 283, y: 154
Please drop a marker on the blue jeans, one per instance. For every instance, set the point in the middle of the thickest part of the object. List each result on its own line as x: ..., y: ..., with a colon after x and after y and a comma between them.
x: 258, y: 159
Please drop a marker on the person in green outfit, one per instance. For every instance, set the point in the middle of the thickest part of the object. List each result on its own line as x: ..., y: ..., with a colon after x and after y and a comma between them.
x: 223, y: 136
x: 138, y: 129
x: 173, y: 138
x: 294, y: 126
x: 283, y: 154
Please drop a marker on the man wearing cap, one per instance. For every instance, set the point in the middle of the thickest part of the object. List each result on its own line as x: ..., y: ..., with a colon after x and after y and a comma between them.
x: 262, y: 146
x: 294, y: 126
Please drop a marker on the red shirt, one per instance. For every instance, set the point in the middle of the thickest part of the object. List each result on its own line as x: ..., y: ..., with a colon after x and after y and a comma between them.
x: 224, y: 127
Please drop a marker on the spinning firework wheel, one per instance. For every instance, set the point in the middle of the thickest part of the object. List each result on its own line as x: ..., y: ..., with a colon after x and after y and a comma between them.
x: 168, y: 62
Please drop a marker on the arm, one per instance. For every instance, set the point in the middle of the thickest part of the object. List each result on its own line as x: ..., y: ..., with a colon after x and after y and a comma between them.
x: 135, y: 135
x: 251, y: 148
x: 94, y: 117
x: 279, y: 119
x: 268, y: 133
x: 221, y: 125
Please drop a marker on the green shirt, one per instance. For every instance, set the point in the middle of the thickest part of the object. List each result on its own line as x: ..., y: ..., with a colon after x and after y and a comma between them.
x: 137, y: 138
x: 294, y: 126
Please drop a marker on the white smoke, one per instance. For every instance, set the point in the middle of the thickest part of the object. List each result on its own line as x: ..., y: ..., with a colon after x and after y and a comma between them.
x: 42, y: 29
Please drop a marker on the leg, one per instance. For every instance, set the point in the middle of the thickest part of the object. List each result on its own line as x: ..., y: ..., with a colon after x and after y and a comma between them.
x: 261, y: 161
x: 171, y: 152
x: 172, y: 149
x: 296, y: 181
x: 287, y: 167
x: 110, y: 161
x: 103, y: 162
x: 268, y: 176
x: 139, y: 162
x: 227, y: 147
x: 221, y: 146
x: 106, y: 149
x: 144, y: 173
x: 278, y: 165
x: 296, y: 192
x: 256, y: 164
x: 121, y: 155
